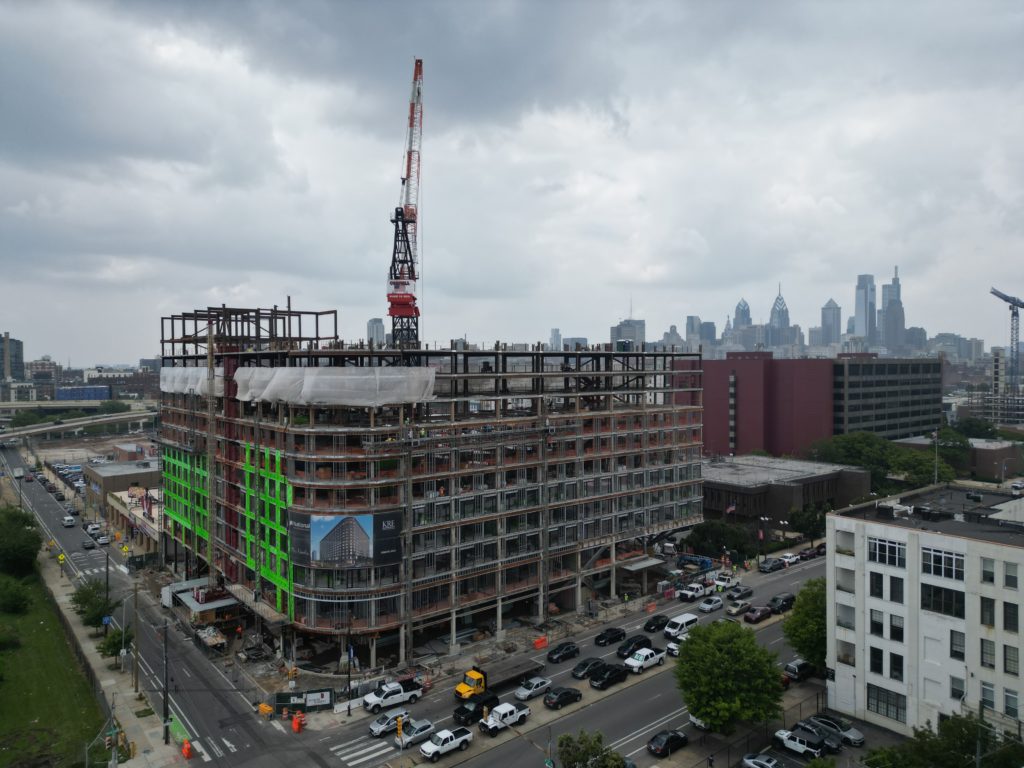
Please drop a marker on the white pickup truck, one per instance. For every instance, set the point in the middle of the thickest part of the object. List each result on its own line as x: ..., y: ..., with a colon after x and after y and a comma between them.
x: 696, y: 590
x: 726, y: 581
x: 387, y: 695
x: 502, y: 716
x: 645, y: 658
x: 443, y: 742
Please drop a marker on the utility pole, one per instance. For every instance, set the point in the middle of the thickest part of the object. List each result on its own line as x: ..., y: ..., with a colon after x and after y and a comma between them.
x: 135, y: 643
x: 167, y: 694
x: 106, y: 595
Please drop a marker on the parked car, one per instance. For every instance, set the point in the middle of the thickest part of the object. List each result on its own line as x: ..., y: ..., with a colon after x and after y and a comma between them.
x: 756, y: 760
x: 103, y: 539
x: 608, y: 675
x: 840, y: 727
x: 656, y: 623
x: 586, y: 667
x: 664, y: 743
x: 709, y: 604
x: 782, y: 602
x: 88, y: 544
x: 757, y: 614
x: 822, y: 548
x: 633, y: 645
x: 534, y: 686
x: 414, y: 732
x: 672, y: 649
x: 557, y: 698
x: 789, y: 558
x: 808, y: 553
x: 386, y: 722
x: 739, y: 592
x: 563, y: 651
x: 738, y: 607
x: 610, y: 635
x: 770, y: 565
x: 798, y: 670
x: 833, y: 743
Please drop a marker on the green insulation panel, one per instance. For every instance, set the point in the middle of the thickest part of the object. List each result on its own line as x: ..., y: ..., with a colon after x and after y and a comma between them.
x: 268, y: 493
x: 186, y: 500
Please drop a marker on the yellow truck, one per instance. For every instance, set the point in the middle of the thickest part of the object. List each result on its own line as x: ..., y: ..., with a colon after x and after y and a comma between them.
x: 480, y: 679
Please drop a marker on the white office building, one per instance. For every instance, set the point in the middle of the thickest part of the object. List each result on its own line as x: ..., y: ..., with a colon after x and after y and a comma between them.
x: 924, y: 604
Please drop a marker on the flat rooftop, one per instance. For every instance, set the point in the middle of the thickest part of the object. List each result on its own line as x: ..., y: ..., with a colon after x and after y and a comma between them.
x: 976, y: 442
x: 998, y: 517
x: 125, y: 467
x: 762, y: 470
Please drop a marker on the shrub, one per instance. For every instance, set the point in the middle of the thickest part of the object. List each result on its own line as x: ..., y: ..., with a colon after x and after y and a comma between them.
x: 14, y: 596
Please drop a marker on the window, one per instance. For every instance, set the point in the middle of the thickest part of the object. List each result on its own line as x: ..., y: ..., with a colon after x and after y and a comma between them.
x: 988, y: 653
x: 896, y: 589
x: 936, y: 562
x: 949, y: 602
x: 887, y: 703
x: 988, y: 611
x: 876, y: 582
x: 988, y: 570
x: 956, y: 688
x: 877, y: 623
x: 1011, y: 660
x: 988, y: 695
x: 1010, y: 575
x: 1010, y: 703
x: 957, y: 645
x: 895, y: 666
x: 887, y: 552
x: 877, y: 661
x: 896, y: 628
x: 1010, y: 617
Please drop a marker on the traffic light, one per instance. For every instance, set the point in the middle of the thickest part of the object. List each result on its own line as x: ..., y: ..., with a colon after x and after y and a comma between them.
x: 108, y: 741
x: 398, y: 725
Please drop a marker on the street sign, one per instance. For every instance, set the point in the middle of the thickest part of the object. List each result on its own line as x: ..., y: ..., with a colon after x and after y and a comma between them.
x: 60, y: 558
x: 124, y: 549
x: 107, y: 620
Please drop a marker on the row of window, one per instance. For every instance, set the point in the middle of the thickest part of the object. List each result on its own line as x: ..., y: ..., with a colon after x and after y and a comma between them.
x: 887, y: 703
x: 876, y: 586
x: 1011, y: 653
x: 877, y: 665
x: 1011, y: 614
x: 937, y: 562
x: 877, y: 625
x: 958, y: 690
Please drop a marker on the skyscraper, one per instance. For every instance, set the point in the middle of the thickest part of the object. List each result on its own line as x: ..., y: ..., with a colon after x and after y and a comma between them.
x: 891, y: 320
x: 864, y: 308
x: 632, y: 331
x: 742, y: 316
x: 831, y: 323
x: 375, y: 331
x: 556, y: 340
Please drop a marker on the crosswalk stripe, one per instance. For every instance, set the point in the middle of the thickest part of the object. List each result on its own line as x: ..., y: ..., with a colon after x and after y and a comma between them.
x: 379, y: 753
x: 348, y: 743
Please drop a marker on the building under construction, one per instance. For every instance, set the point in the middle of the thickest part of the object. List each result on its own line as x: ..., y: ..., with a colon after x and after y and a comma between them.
x: 403, y: 495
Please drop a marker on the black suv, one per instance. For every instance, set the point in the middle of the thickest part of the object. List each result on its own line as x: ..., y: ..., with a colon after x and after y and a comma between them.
x: 608, y: 675
x: 656, y: 623
x: 563, y: 651
x: 634, y: 644
x: 472, y: 709
x: 610, y: 635
x: 782, y: 602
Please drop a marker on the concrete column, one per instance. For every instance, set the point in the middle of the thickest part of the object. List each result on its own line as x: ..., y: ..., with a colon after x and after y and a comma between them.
x: 373, y: 653
x: 611, y: 586
x: 401, y: 644
x: 453, y: 644
x: 499, y: 632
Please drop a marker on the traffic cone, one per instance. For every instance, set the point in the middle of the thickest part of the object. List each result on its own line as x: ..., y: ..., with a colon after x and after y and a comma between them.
x: 186, y: 749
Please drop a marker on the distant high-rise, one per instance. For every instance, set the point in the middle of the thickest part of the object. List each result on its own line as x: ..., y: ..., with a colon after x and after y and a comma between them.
x: 556, y: 340
x: 375, y: 331
x: 572, y: 343
x: 831, y: 323
x: 891, y: 320
x: 779, y: 317
x: 708, y: 332
x: 742, y: 317
x: 631, y: 331
x: 12, y: 358
x: 864, y: 308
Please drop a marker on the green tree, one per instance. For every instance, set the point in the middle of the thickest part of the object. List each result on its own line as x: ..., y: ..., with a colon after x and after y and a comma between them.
x: 15, y: 597
x: 810, y: 521
x: 90, y: 602
x: 954, y: 449
x: 25, y: 419
x: 726, y: 677
x: 711, y: 536
x: 975, y: 427
x: 587, y: 750
x: 954, y: 745
x: 112, y: 644
x: 19, y: 542
x: 806, y: 628
x: 918, y: 467
x: 861, y: 449
x: 113, y: 406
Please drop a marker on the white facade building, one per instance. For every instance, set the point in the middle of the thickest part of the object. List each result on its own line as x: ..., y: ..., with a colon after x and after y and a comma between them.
x: 924, y: 605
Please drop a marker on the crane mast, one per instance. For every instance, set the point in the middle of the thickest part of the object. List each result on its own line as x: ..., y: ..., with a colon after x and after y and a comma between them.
x: 1014, y: 368
x: 402, y: 277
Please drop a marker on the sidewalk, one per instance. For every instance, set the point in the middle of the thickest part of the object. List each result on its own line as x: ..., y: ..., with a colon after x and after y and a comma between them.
x: 145, y: 732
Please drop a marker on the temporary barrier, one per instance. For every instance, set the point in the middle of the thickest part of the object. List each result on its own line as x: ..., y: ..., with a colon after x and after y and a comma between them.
x: 540, y: 642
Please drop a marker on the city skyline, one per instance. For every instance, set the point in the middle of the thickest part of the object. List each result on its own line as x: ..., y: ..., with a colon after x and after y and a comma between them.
x: 719, y: 151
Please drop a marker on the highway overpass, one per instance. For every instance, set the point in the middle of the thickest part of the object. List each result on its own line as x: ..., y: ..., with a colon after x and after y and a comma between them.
x: 72, y: 426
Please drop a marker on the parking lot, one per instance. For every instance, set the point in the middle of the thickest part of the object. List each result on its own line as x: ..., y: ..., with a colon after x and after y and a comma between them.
x: 874, y: 737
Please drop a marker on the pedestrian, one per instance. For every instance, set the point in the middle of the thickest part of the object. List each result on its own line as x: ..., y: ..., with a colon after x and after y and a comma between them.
x: 711, y: 761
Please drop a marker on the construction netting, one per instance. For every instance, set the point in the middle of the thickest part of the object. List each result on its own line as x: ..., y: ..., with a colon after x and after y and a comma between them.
x: 360, y: 387
x: 181, y: 381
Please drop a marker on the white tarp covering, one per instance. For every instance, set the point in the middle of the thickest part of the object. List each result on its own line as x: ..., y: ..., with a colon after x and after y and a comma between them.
x: 180, y: 381
x: 360, y: 387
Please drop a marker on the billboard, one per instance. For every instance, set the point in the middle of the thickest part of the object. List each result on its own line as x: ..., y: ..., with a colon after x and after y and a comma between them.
x: 355, y: 540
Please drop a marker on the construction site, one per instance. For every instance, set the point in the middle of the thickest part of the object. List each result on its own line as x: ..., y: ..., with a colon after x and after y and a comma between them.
x: 400, y: 495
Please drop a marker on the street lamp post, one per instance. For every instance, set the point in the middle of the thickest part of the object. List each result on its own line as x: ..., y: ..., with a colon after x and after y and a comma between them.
x: 760, y: 542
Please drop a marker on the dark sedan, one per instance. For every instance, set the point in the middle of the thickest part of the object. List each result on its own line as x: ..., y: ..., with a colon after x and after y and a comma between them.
x: 771, y: 565
x: 739, y: 592
x: 656, y: 623
x: 664, y: 743
x: 809, y: 553
x: 634, y: 644
x: 610, y: 635
x: 88, y: 544
x: 559, y: 697
x: 563, y: 651
x: 608, y: 675
x: 757, y: 614
x: 586, y: 667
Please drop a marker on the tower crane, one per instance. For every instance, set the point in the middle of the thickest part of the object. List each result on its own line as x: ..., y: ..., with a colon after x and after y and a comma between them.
x: 1015, y: 305
x: 405, y: 315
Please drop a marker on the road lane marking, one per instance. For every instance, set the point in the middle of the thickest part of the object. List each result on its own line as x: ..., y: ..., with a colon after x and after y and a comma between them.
x: 653, y: 724
x: 202, y: 752
x: 370, y: 757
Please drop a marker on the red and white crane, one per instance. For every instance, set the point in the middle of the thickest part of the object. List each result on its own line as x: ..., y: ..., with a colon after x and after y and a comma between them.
x: 402, y: 277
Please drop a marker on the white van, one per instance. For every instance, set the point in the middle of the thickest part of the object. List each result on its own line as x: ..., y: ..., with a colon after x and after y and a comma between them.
x: 68, y: 521
x: 680, y: 625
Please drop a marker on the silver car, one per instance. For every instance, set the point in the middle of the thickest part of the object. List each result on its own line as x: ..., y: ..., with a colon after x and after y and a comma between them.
x: 413, y: 732
x: 839, y: 726
x: 535, y: 686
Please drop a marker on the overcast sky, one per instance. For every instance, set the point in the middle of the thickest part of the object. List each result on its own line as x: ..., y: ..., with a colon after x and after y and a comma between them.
x: 579, y: 158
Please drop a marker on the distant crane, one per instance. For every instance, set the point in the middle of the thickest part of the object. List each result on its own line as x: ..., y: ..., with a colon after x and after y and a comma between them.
x: 1015, y: 306
x: 405, y: 315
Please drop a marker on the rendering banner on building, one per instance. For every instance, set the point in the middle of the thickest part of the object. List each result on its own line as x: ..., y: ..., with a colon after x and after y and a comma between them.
x: 355, y: 540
